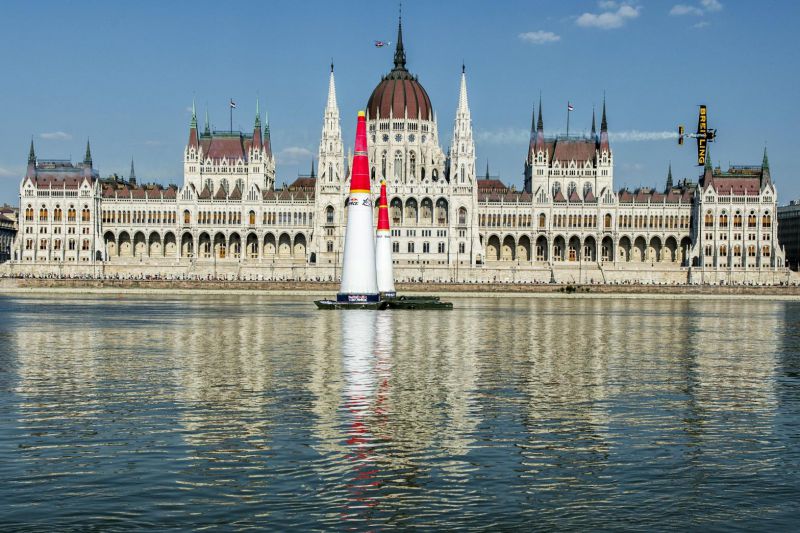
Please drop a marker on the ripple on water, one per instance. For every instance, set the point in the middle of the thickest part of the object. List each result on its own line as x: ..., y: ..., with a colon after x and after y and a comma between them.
x: 259, y: 412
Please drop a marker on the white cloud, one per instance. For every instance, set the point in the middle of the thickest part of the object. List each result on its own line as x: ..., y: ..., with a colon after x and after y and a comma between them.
x: 55, y: 136
x: 539, y: 37
x: 711, y: 5
x: 613, y: 17
x: 706, y: 6
x: 294, y: 154
x: 683, y: 9
x: 637, y: 136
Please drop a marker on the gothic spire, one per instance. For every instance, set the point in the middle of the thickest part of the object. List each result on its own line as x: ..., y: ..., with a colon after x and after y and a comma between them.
x: 463, y: 103
x: 399, y: 52
x: 604, y: 145
x: 764, y: 162
x: 312, y: 168
x: 487, y: 169
x: 193, y: 122
x: 132, y: 175
x: 533, y: 121
x: 594, y: 129
x: 603, y: 122
x: 207, y: 129
x: 539, y: 122
x: 765, y: 174
x: 669, y: 177
x: 258, y: 115
x: 31, y: 154
x: 88, y: 157
x: 331, y: 105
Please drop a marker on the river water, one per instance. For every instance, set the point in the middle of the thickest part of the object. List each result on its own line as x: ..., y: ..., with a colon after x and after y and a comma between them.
x: 209, y: 411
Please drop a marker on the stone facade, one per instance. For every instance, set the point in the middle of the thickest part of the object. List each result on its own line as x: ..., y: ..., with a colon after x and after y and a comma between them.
x: 567, y: 224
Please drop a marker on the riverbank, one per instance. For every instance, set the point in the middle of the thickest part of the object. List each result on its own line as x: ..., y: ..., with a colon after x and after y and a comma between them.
x: 452, y: 290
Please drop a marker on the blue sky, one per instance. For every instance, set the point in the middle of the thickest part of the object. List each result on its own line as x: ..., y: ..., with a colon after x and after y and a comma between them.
x: 124, y: 74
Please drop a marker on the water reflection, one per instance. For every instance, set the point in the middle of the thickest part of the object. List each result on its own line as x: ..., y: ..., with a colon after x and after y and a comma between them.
x: 263, y: 412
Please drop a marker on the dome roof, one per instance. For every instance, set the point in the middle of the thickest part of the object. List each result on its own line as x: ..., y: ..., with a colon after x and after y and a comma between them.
x: 399, y: 92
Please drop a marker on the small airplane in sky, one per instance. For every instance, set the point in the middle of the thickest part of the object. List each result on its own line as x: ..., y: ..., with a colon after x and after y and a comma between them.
x: 381, y: 44
x: 704, y: 135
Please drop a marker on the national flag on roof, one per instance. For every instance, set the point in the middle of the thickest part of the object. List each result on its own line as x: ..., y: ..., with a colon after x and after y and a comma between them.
x: 569, y: 107
x: 233, y: 104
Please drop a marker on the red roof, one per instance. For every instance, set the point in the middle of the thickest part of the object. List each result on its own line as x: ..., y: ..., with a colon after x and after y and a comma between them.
x: 567, y: 150
x: 737, y: 186
x: 399, y: 93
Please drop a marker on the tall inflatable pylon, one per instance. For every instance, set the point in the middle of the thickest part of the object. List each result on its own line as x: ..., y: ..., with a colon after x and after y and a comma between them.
x: 359, y: 278
x: 383, y: 248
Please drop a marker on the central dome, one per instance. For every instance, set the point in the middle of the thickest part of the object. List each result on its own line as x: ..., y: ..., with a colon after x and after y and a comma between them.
x: 399, y: 93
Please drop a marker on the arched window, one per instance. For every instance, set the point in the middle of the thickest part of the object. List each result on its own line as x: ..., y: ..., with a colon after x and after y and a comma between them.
x: 252, y: 218
x: 29, y: 213
x: 85, y: 214
x: 240, y: 184
x: 187, y: 217
x: 412, y: 165
x: 587, y: 188
x: 224, y: 184
x: 462, y: 216
x: 398, y: 165
x: 752, y: 220
x: 57, y: 214
x: 542, y: 220
x: 709, y: 220
x: 571, y: 188
x: 210, y: 185
x: 330, y: 173
x: 329, y: 215
x: 556, y: 188
x: 723, y: 220
x: 396, y: 211
x: 737, y: 220
x: 383, y: 164
x: 435, y: 175
x: 766, y: 220
x: 43, y: 214
x: 607, y: 221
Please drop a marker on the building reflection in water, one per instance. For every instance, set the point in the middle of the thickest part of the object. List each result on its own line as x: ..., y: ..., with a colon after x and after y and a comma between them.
x: 543, y: 406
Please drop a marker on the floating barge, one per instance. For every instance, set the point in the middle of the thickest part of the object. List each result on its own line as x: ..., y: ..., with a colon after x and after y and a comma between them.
x: 397, y: 302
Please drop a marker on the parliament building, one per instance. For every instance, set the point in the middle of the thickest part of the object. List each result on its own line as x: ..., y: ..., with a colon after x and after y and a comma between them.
x: 567, y: 224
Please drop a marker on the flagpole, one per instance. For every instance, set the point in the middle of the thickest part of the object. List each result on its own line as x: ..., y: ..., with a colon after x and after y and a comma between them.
x: 567, y: 118
x: 230, y: 107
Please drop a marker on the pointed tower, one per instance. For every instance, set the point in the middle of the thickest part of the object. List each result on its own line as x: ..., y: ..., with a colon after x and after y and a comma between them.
x: 604, y: 157
x: 540, y: 145
x: 462, y: 149
x: 31, y: 161
x: 604, y: 145
x: 207, y: 126
x: 87, y: 158
x: 766, y: 178
x: 192, y: 155
x: 383, y: 248
x: 193, y: 139
x: 594, y: 128
x: 669, y: 179
x: 257, y: 142
x: 132, y: 175
x: 330, y: 186
x: 359, y: 278
x: 463, y: 221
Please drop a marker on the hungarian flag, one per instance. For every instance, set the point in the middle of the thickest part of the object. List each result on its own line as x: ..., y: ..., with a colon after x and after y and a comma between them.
x: 233, y: 104
x: 569, y: 107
